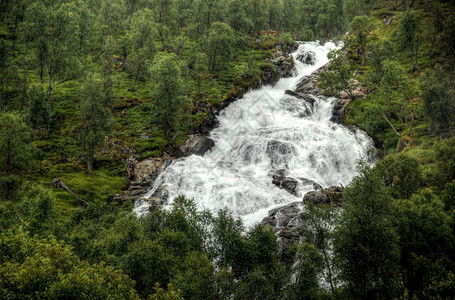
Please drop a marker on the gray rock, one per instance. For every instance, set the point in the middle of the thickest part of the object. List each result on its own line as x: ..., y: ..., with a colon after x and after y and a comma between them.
x: 279, y: 153
x: 284, y: 62
x: 197, y: 144
x: 149, y: 169
x: 307, y: 57
x: 315, y: 197
x: 309, y: 84
x: 305, y: 97
x: 332, y: 195
x: 289, y: 184
x: 286, y: 222
x: 284, y: 216
x: 316, y: 186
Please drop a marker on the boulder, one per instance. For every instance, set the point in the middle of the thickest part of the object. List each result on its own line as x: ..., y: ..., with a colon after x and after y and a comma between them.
x: 307, y: 57
x: 284, y: 216
x: 149, y: 169
x: 316, y: 186
x: 332, y: 195
x: 282, y: 179
x: 305, y: 97
x: 209, y: 112
x: 288, y: 184
x: 315, y: 197
x: 339, y: 112
x: 309, y: 84
x: 279, y: 153
x: 284, y: 62
x: 197, y: 144
x: 286, y: 222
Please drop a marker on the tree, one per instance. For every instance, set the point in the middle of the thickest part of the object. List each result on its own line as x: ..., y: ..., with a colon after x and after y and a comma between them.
x: 16, y: 155
x: 408, y: 36
x: 317, y: 231
x: 16, y: 144
x: 359, y: 38
x: 426, y: 241
x: 148, y: 263
x: 338, y: 78
x: 141, y: 36
x: 37, y: 107
x: 219, y: 44
x: 237, y: 17
x: 167, y: 92
x: 165, y: 18
x: 366, y: 243
x: 401, y: 173
x: 46, y: 268
x: 445, y: 153
x: 94, y: 119
x: 438, y: 96
x: 54, y: 39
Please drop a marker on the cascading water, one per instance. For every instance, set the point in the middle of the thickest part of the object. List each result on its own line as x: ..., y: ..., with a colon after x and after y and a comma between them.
x: 268, y: 131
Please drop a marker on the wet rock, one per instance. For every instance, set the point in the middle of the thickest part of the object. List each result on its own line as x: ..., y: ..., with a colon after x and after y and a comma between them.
x: 332, y: 195
x: 284, y: 62
x: 286, y: 222
x: 209, y: 112
x: 339, y: 112
x: 279, y: 153
x: 196, y: 144
x: 315, y: 197
x: 149, y: 169
x: 305, y: 97
x: 316, y: 186
x: 307, y: 57
x: 309, y: 84
x: 289, y: 184
x: 161, y: 195
x: 270, y: 75
x: 282, y: 179
x: 284, y: 216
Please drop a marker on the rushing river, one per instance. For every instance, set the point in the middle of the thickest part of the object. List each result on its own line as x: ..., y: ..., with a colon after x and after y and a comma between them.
x: 267, y: 131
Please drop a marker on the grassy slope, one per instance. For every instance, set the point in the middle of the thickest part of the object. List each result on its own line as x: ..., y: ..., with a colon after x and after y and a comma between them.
x: 422, y: 143
x: 133, y: 130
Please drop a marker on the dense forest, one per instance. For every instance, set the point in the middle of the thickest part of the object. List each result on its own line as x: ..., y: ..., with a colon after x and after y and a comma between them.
x: 87, y: 84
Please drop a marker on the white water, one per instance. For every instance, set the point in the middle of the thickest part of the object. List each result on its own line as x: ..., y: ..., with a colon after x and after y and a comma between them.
x: 267, y: 130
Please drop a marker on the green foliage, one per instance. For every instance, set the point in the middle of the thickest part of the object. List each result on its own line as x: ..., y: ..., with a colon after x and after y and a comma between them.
x: 168, y: 94
x: 408, y: 36
x: 401, y: 173
x: 366, y: 243
x: 94, y: 119
x: 15, y: 142
x: 31, y: 268
x: 425, y: 241
x: 359, y: 38
x: 445, y: 153
x: 338, y: 78
x: 438, y: 97
x: 219, y: 45
x: 310, y: 264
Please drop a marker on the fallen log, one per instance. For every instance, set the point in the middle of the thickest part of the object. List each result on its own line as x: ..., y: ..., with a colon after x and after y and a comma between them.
x: 58, y: 183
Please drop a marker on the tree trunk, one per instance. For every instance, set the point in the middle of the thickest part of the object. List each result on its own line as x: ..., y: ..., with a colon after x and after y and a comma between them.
x: 89, y: 165
x: 412, y: 57
x: 25, y: 73
x: 58, y: 183
x: 133, y: 88
x: 417, y: 55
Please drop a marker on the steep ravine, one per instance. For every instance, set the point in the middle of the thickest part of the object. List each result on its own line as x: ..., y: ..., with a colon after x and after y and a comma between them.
x: 270, y: 148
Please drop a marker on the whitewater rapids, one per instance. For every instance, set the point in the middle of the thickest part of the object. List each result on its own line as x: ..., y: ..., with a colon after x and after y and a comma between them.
x: 265, y: 131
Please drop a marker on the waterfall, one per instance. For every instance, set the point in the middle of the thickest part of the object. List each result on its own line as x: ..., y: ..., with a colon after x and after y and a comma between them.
x: 265, y: 132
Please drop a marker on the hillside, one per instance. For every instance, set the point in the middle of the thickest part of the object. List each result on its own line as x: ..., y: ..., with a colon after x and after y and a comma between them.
x: 94, y: 92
